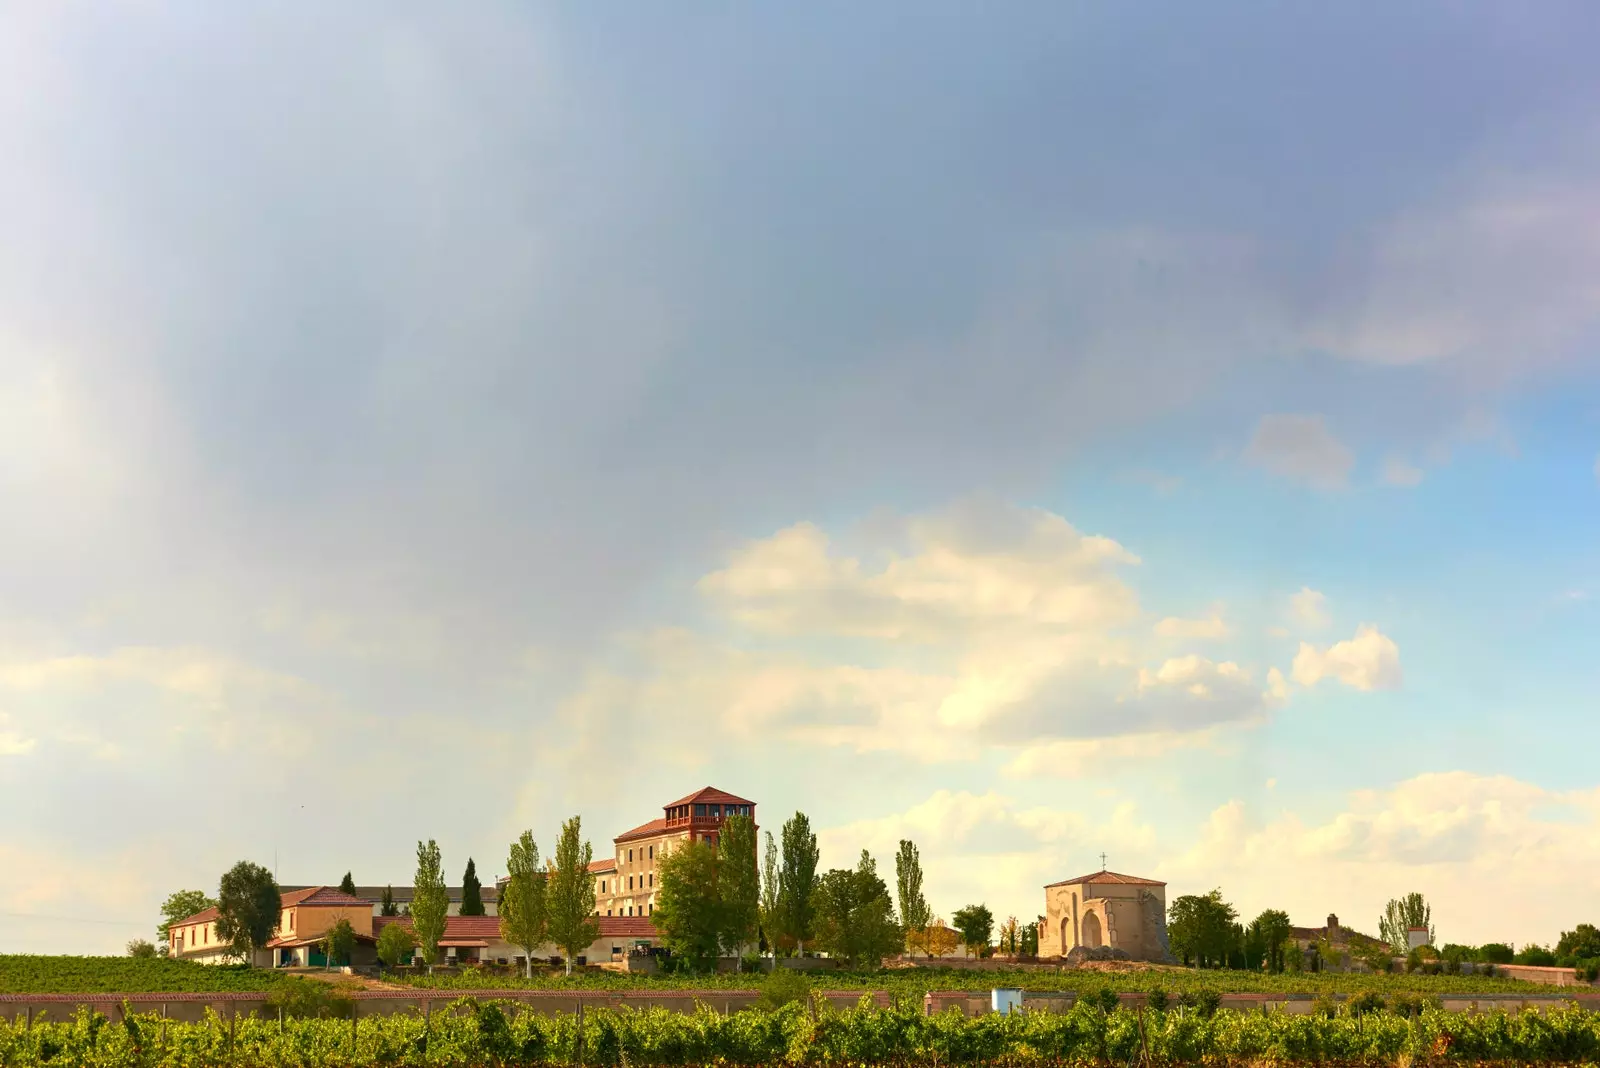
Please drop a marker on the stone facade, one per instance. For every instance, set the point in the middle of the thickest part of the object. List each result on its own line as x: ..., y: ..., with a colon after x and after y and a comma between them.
x: 625, y: 883
x: 1105, y: 915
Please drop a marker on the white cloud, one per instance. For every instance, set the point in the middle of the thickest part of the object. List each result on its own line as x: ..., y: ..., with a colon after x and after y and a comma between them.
x: 14, y: 744
x: 971, y: 567
x: 1369, y: 661
x: 1213, y: 626
x: 1301, y: 448
x: 1397, y: 472
x: 1309, y: 608
x: 1446, y: 835
x: 989, y: 847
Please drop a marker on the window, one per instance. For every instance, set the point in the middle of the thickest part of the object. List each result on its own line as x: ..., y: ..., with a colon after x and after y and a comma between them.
x: 630, y: 856
x: 630, y: 910
x: 608, y: 912
x: 716, y: 812
x: 652, y: 908
x: 630, y: 882
x: 652, y: 852
x: 602, y: 886
x: 699, y: 810
x: 652, y: 878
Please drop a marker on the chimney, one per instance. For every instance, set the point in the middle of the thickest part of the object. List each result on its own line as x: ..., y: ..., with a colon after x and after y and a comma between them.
x: 1333, y: 925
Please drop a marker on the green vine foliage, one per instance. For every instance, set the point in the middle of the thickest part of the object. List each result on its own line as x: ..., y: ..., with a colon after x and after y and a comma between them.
x: 500, y: 1034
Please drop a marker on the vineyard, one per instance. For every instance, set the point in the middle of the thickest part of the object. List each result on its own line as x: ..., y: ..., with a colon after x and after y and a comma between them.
x: 489, y: 1034
x: 128, y: 975
x: 918, y: 981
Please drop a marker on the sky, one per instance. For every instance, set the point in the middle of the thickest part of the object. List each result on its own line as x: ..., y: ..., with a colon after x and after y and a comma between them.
x: 1161, y: 430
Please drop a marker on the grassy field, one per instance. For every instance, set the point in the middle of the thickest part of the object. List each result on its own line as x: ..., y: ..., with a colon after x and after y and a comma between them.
x: 123, y: 975
x: 918, y: 981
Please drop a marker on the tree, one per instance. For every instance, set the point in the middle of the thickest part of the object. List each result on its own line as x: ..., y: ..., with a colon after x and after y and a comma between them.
x: 387, y: 907
x: 394, y: 942
x: 854, y: 915
x: 1011, y: 936
x: 180, y: 905
x: 1401, y: 915
x: 140, y: 948
x: 471, y: 891
x: 797, y: 880
x: 430, y: 902
x: 1265, y: 939
x: 248, y: 905
x: 347, y: 885
x: 1030, y: 940
x: 940, y: 939
x: 1200, y: 928
x: 689, y: 903
x: 914, y: 911
x: 338, y: 942
x: 976, y: 924
x: 769, y: 895
x: 570, y: 893
x: 523, y: 920
x: 1581, y: 943
x: 738, y: 884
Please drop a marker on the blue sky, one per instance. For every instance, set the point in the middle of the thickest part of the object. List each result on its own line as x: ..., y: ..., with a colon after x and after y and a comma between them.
x: 1037, y: 432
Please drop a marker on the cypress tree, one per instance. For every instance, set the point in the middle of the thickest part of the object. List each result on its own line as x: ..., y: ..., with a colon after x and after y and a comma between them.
x: 347, y: 885
x: 471, y: 891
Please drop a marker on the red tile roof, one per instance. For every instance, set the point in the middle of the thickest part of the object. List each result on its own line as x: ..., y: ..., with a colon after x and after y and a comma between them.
x: 305, y: 895
x: 608, y: 864
x: 455, y: 927
x: 710, y: 795
x: 627, y: 927
x: 644, y: 830
x: 1108, y: 877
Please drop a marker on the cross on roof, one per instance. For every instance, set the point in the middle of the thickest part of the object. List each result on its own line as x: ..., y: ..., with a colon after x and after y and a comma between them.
x: 1102, y: 862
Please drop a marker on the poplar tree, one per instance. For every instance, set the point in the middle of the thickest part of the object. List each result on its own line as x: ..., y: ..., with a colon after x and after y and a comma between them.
x: 738, y: 885
x: 570, y: 894
x: 430, y: 902
x: 769, y: 895
x: 914, y: 912
x: 797, y: 881
x: 522, y: 909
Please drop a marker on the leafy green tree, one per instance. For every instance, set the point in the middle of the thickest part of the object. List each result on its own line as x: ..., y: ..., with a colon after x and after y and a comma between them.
x: 976, y: 924
x: 570, y: 893
x: 248, y: 906
x: 1496, y: 953
x: 689, y: 903
x: 1030, y: 940
x: 387, y: 907
x: 738, y: 884
x: 1580, y: 943
x: 1536, y: 955
x: 1200, y: 928
x: 914, y: 912
x: 1399, y: 916
x: 769, y: 895
x: 430, y: 902
x: 1264, y: 940
x: 141, y: 949
x: 180, y: 905
x: 347, y: 885
x: 471, y: 891
x: 854, y: 915
x: 523, y: 918
x: 797, y: 880
x: 338, y: 942
x: 394, y: 942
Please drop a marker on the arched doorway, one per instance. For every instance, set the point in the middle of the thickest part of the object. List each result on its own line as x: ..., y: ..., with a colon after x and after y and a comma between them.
x: 1066, y: 934
x: 1091, y: 930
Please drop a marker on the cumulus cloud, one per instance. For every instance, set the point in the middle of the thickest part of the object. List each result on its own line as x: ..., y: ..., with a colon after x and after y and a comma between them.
x: 1444, y: 834
x: 1368, y: 661
x: 1212, y: 626
x: 1301, y: 448
x: 972, y: 567
x: 1309, y: 608
x: 993, y: 847
x: 1398, y: 472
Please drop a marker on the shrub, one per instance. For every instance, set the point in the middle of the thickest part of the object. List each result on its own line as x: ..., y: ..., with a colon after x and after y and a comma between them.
x: 1157, y: 1000
x: 1325, y: 1007
x: 297, y: 998
x: 1105, y: 999
x: 783, y: 987
x: 1363, y: 1003
x: 1204, y: 1002
x: 752, y: 964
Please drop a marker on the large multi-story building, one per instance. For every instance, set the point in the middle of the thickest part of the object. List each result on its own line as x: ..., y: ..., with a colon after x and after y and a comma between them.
x: 625, y: 884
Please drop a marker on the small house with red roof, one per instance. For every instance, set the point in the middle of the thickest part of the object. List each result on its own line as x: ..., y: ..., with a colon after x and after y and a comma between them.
x: 304, y: 917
